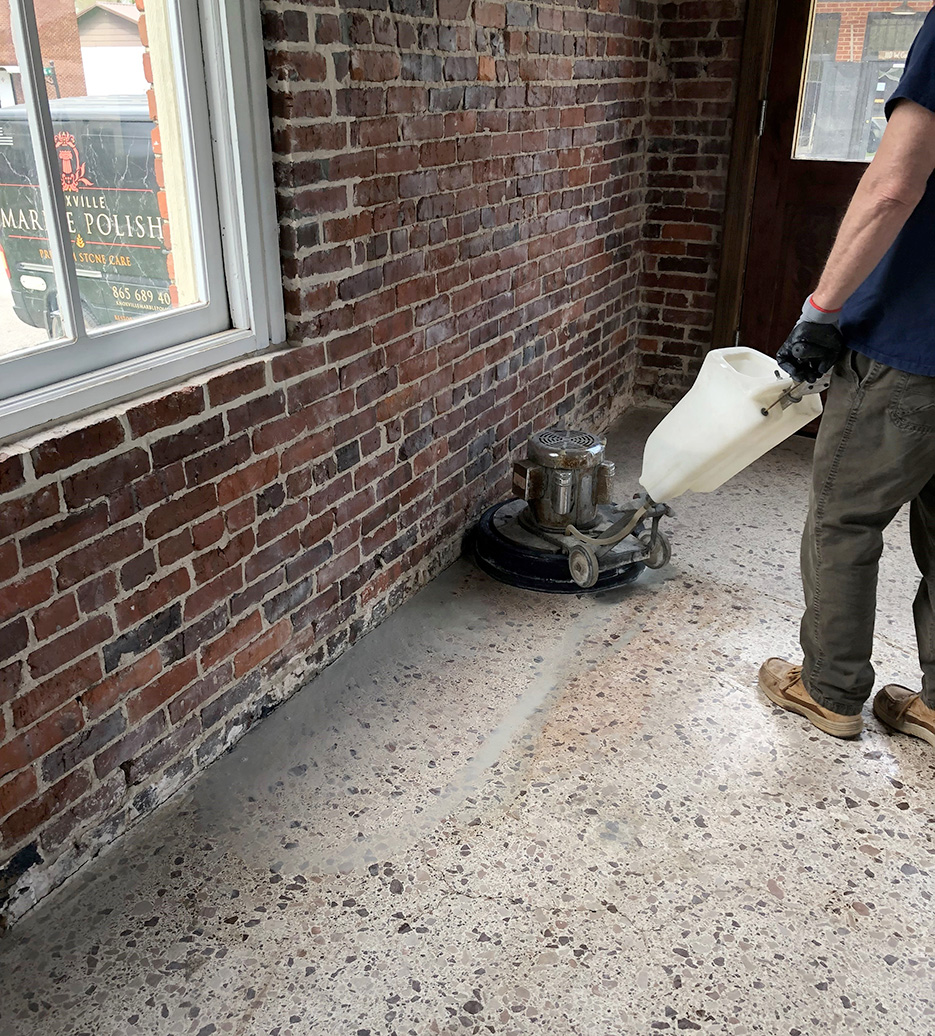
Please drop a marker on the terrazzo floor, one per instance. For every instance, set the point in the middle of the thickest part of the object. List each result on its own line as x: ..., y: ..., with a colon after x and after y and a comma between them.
x: 510, y: 813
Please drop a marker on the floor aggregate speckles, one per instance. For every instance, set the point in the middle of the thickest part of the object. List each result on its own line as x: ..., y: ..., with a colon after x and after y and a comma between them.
x: 509, y: 813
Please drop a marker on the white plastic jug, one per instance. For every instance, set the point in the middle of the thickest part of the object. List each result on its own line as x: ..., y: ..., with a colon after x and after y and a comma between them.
x: 718, y: 427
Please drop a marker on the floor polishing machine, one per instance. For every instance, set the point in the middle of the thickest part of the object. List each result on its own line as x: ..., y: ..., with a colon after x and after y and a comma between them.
x: 562, y: 531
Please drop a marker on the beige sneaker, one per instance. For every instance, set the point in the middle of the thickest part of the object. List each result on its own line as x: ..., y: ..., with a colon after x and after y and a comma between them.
x: 781, y: 682
x: 904, y: 710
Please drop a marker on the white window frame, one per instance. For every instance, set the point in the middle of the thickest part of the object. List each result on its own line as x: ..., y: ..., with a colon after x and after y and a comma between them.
x: 235, y: 83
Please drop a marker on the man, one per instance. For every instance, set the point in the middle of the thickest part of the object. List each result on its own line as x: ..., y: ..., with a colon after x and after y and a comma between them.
x: 875, y: 450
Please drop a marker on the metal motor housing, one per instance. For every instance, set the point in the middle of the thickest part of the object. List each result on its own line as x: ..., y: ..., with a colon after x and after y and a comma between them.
x: 564, y: 534
x: 564, y: 479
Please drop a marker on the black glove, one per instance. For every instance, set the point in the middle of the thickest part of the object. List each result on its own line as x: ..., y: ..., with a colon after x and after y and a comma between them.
x: 810, y: 351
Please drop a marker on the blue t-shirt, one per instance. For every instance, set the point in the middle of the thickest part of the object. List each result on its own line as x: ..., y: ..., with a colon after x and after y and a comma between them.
x: 891, y: 316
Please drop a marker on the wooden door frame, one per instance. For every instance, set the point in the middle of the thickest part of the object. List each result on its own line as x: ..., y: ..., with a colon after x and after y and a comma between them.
x: 741, y: 178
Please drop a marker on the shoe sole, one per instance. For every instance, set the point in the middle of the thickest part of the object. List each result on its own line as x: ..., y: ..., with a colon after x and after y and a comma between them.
x: 907, y: 727
x: 828, y: 726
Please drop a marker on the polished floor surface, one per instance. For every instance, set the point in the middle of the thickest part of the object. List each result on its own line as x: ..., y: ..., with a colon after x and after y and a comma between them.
x: 512, y: 813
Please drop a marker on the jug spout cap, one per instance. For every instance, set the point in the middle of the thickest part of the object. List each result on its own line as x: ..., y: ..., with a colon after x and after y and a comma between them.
x: 652, y: 507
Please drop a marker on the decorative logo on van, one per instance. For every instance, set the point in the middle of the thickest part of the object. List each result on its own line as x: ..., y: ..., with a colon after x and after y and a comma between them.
x: 73, y: 175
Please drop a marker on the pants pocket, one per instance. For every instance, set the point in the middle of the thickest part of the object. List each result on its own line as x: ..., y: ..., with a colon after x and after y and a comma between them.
x: 859, y: 367
x: 913, y: 406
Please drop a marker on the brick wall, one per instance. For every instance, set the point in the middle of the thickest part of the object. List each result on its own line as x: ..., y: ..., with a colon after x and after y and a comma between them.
x: 696, y: 62
x: 462, y: 201
x: 854, y: 15
x: 58, y: 34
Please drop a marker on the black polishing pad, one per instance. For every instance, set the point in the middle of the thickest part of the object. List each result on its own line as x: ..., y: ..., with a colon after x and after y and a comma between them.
x: 508, y: 552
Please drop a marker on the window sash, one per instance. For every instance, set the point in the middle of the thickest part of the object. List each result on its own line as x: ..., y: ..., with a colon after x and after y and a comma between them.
x: 80, y: 353
x: 235, y: 71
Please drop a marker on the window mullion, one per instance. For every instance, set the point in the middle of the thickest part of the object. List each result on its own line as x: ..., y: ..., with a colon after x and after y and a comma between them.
x: 26, y: 39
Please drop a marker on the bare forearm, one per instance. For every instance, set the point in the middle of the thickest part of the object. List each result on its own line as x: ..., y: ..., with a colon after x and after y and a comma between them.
x: 870, y: 226
x: 888, y: 193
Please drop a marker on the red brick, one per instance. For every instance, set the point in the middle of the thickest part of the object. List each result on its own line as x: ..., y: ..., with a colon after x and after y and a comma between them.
x: 26, y: 594
x: 199, y: 692
x: 160, y: 691
x: 9, y: 562
x: 124, y: 750
x: 317, y: 103
x: 63, y: 535
x: 174, y: 548
x: 374, y: 66
x: 294, y: 362
x: 55, y: 653
x: 211, y: 465
x: 276, y: 433
x: 187, y: 443
x: 137, y: 570
x: 19, y: 514
x: 212, y: 564
x: 159, y: 755
x: 316, y: 137
x: 240, y: 515
x: 312, y: 389
x: 256, y: 412
x: 295, y: 65
x: 251, y: 478
x: 166, y: 410
x: 256, y: 592
x: 322, y: 200
x: 152, y: 598
x: 339, y: 567
x: 12, y: 474
x: 307, y: 449
x: 328, y: 29
x: 156, y: 487
x: 236, y: 383
x: 232, y: 641
x: 104, y: 695
x: 285, y: 518
x: 687, y: 232
x: 10, y: 681
x: 17, y: 791
x: 349, y: 227
x: 97, y: 593
x: 25, y: 820
x: 492, y: 15
x: 59, y: 615
x: 263, y: 647
x: 87, y: 743
x: 78, y: 446
x: 207, y: 596
x: 49, y: 695
x: 176, y: 513
x: 103, y: 553
x: 106, y: 478
x: 42, y: 738
x: 97, y: 804
x: 207, y: 532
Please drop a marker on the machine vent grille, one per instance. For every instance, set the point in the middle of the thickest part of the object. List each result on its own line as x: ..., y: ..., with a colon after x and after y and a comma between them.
x: 560, y: 439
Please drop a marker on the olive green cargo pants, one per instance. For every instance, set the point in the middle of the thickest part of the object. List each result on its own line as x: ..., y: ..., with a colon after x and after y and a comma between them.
x: 875, y: 452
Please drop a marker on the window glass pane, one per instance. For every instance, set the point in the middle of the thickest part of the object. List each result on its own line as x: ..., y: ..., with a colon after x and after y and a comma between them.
x: 26, y: 271
x: 22, y: 218
x: 856, y: 56
x: 123, y: 160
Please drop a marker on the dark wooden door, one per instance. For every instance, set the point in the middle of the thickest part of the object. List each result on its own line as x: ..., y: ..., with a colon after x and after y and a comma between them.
x: 797, y: 203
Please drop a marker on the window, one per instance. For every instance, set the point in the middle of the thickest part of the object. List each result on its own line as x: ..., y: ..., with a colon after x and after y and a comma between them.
x: 135, y: 194
x: 889, y: 37
x: 856, y: 57
x: 826, y: 30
